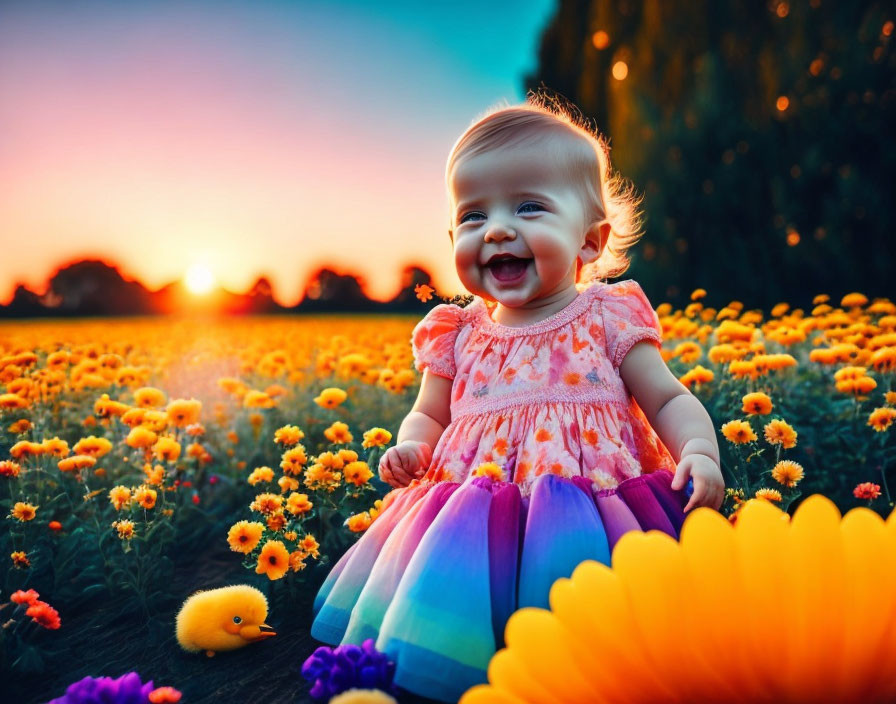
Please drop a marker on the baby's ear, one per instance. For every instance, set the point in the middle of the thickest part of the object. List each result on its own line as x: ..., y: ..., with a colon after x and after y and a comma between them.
x: 451, y: 235
x: 596, y: 237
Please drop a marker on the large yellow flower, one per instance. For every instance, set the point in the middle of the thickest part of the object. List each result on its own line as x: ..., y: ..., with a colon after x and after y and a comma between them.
x: 653, y: 628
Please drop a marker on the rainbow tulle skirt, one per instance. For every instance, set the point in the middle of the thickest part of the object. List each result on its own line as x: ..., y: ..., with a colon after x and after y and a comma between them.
x: 435, y: 577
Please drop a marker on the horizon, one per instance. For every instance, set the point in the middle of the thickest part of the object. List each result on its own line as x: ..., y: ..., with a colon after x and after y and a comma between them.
x: 217, y: 286
x: 196, y: 135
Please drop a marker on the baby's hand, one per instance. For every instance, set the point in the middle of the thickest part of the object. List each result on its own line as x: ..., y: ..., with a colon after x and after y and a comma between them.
x: 709, y: 486
x: 407, y: 461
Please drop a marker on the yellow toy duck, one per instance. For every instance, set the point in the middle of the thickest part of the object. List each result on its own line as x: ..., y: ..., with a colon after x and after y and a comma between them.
x: 222, y: 619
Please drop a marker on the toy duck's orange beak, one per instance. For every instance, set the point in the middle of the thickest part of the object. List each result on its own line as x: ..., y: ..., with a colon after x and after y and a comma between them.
x: 253, y: 633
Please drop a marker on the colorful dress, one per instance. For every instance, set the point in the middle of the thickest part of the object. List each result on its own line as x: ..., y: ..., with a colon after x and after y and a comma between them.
x: 450, y: 557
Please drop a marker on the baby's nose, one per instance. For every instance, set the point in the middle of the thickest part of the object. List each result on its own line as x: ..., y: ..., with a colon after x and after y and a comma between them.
x: 499, y: 231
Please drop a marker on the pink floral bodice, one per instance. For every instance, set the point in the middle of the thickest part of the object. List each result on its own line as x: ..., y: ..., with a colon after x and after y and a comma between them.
x: 544, y: 397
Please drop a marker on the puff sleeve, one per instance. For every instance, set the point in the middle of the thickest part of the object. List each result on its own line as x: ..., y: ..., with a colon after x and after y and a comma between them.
x: 628, y: 318
x: 433, y: 338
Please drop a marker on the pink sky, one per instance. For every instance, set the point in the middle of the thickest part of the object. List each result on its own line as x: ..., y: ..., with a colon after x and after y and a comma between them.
x: 230, y: 140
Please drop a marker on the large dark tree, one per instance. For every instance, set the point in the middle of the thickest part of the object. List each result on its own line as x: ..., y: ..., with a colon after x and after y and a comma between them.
x: 760, y: 134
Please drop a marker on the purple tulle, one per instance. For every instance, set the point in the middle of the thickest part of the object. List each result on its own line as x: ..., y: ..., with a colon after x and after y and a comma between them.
x: 334, y: 670
x: 127, y: 689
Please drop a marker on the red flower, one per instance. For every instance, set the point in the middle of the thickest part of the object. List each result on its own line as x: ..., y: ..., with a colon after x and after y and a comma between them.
x: 164, y: 695
x: 195, y: 498
x: 29, y: 597
x: 44, y: 614
x: 867, y: 490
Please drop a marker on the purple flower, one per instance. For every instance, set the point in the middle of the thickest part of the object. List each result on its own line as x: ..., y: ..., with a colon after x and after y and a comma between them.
x: 334, y: 670
x: 127, y: 689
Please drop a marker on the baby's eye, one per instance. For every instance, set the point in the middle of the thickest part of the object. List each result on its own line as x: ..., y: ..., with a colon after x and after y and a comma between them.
x: 531, y: 204
x: 467, y: 215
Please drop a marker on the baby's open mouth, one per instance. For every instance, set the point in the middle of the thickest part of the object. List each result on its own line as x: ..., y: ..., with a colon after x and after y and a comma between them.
x: 508, y: 269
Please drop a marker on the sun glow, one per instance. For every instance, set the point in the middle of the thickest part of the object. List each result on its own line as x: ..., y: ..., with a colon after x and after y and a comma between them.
x: 199, y: 279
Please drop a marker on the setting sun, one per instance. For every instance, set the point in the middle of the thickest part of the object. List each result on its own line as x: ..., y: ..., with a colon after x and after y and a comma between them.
x: 199, y: 279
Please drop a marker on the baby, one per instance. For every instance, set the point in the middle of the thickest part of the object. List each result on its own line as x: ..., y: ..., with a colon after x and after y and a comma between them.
x: 535, y: 221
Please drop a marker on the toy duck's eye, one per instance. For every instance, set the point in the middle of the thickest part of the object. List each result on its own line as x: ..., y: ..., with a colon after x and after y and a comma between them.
x: 237, y: 619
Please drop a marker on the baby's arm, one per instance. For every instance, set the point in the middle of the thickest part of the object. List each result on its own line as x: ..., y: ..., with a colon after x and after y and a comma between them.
x: 431, y: 412
x: 680, y: 420
x: 419, y: 432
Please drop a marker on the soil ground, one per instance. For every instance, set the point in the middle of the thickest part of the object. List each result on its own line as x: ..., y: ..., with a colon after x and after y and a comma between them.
x: 102, y: 642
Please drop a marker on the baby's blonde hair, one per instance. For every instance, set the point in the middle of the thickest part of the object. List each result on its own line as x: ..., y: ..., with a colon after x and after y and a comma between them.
x: 607, y: 196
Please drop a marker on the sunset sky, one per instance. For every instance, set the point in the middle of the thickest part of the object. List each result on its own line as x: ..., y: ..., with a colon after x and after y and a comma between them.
x: 250, y: 138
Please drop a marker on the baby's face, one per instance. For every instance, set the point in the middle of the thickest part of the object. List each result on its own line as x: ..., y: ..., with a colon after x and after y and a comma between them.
x: 519, y: 201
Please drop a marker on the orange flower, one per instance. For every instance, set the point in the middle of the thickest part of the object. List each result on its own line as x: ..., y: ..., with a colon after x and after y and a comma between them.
x: 258, y: 399
x: 298, y: 504
x: 276, y: 521
x: 149, y: 397
x: 338, y: 433
x: 757, y: 403
x: 376, y: 437
x: 738, y: 432
x: 357, y: 473
x: 698, y: 375
x: 769, y: 495
x: 20, y: 559
x: 164, y: 695
x: 23, y: 511
x: 267, y: 503
x: 44, y: 615
x: 543, y: 435
x: 423, y: 292
x: 288, y: 435
x: 12, y: 402
x: 297, y: 560
x: 8, y: 468
x: 787, y: 472
x: 310, y: 545
x: 288, y: 484
x: 779, y: 432
x: 261, y: 474
x: 273, y: 560
x: 120, y: 497
x: 125, y: 529
x: 243, y: 536
x: 140, y: 437
x: 93, y: 446
x: 880, y: 419
x: 55, y: 447
x: 293, y: 460
x: 23, y: 425
x: 146, y: 497
x: 76, y: 463
x: 359, y: 522
x: 183, y: 412
x: 24, y: 597
x: 330, y: 397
